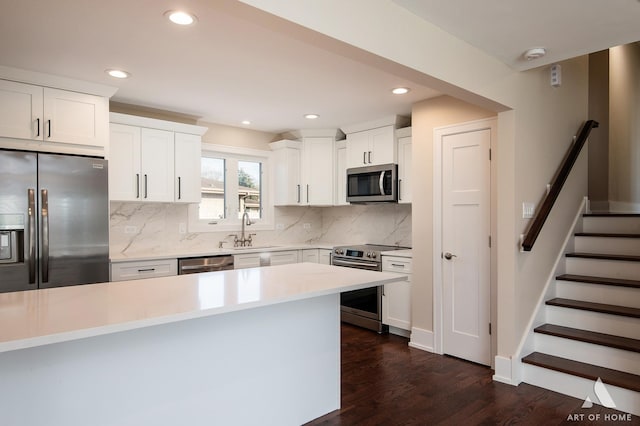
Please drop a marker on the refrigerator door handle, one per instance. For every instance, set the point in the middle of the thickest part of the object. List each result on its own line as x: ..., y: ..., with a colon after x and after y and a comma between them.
x: 32, y: 234
x: 45, y: 234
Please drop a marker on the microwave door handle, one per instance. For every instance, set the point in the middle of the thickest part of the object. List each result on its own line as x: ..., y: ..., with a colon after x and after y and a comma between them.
x: 381, y: 182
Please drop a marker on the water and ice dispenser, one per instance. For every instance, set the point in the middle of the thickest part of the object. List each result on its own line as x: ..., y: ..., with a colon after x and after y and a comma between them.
x: 11, y: 238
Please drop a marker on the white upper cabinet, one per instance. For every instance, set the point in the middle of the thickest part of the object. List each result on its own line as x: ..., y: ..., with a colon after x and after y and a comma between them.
x: 404, y: 165
x: 53, y: 116
x: 154, y: 164
x: 341, y: 174
x: 304, y: 171
x: 373, y: 143
x: 317, y: 171
x: 371, y: 147
x: 157, y: 165
x: 188, y: 150
x: 124, y: 162
x: 287, y: 157
x: 75, y: 118
x: 20, y: 110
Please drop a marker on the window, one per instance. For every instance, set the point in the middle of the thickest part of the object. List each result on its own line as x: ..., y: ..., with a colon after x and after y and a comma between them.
x: 234, y: 181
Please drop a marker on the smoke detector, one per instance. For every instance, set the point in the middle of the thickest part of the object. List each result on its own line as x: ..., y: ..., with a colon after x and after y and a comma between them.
x: 534, y: 53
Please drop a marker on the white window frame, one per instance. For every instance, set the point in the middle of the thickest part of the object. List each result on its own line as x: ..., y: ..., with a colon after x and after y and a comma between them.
x: 232, y: 223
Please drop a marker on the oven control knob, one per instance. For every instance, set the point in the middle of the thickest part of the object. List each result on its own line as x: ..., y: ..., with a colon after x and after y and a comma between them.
x: 373, y: 255
x: 369, y: 254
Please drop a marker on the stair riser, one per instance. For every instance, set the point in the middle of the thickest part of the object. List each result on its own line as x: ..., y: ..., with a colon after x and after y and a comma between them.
x: 603, y: 268
x: 606, y: 245
x: 627, y: 225
x: 598, y: 293
x: 626, y: 401
x: 576, y: 350
x: 593, y: 321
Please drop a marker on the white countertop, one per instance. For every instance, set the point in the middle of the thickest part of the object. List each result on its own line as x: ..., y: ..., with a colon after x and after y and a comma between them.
x: 40, y: 317
x: 133, y: 257
x: 398, y: 253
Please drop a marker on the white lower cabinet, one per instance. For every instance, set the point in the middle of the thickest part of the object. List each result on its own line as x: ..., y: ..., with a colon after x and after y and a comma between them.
x: 123, y: 271
x: 247, y: 260
x: 396, y: 299
x: 324, y: 256
x: 283, y: 257
x: 309, y: 255
x: 269, y: 258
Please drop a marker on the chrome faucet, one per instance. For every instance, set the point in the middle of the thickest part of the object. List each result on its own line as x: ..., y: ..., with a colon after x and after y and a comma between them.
x: 246, y: 221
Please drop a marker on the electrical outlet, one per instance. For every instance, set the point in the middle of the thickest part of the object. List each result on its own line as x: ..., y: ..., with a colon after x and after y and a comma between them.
x: 182, y: 228
x: 130, y: 229
x: 279, y: 226
x: 306, y: 225
x: 528, y: 210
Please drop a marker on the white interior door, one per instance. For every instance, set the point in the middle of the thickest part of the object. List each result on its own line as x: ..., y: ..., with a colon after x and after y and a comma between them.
x: 465, y: 244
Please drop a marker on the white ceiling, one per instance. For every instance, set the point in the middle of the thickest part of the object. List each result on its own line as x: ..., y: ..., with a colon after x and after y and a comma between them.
x: 238, y: 63
x: 506, y: 28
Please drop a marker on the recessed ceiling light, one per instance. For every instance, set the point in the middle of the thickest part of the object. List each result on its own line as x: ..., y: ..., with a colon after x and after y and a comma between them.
x: 246, y: 122
x: 311, y: 116
x: 118, y: 73
x: 179, y: 17
x: 400, y: 90
x: 534, y: 53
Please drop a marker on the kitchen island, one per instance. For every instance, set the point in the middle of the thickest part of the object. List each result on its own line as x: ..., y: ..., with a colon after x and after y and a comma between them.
x: 249, y: 346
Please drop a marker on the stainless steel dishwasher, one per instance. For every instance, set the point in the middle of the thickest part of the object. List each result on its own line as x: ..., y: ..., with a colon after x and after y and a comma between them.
x: 195, y: 265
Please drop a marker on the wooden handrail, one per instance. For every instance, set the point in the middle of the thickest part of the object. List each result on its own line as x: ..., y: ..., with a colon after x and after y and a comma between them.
x: 557, y: 184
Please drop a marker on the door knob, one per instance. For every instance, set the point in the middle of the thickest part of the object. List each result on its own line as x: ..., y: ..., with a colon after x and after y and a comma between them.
x: 449, y: 256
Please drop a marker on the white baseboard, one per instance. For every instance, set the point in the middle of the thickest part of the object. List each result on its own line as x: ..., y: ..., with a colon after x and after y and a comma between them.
x: 624, y: 207
x: 421, y: 339
x: 598, y: 206
x: 503, y: 370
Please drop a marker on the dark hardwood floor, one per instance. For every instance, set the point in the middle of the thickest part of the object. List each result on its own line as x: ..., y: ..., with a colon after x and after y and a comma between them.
x: 385, y: 382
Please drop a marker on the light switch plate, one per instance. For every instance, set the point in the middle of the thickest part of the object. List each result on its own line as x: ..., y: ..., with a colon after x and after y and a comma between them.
x: 528, y: 210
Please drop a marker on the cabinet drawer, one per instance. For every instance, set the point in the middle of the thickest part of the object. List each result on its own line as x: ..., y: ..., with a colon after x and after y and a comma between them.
x: 283, y: 257
x: 250, y: 260
x: 396, y: 264
x: 310, y: 255
x: 123, y: 271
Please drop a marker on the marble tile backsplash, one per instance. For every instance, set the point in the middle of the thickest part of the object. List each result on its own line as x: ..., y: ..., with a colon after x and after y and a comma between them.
x: 154, y: 228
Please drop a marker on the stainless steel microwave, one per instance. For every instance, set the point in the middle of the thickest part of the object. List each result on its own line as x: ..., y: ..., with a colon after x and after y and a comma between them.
x: 373, y: 184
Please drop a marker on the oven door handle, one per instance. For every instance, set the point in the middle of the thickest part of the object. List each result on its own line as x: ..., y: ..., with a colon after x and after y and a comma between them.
x: 355, y: 264
x: 381, y: 182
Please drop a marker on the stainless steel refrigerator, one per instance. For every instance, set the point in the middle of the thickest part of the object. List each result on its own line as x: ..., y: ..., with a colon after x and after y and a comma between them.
x: 54, y: 220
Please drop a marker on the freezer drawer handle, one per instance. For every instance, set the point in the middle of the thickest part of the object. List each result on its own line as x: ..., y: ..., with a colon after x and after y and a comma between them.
x: 45, y: 234
x: 32, y: 234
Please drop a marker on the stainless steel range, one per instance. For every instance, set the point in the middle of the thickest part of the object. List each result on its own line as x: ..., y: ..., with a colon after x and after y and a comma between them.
x: 362, y: 307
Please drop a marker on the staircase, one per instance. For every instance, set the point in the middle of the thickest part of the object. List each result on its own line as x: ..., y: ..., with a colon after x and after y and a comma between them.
x: 592, y: 325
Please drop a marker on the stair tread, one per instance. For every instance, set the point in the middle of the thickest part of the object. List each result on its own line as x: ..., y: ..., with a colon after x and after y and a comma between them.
x: 587, y: 371
x: 611, y: 215
x: 602, y: 339
x: 599, y: 280
x: 602, y: 256
x: 595, y: 307
x: 606, y: 235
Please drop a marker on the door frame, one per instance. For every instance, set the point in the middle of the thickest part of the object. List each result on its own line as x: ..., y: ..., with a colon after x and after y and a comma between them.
x: 438, y: 320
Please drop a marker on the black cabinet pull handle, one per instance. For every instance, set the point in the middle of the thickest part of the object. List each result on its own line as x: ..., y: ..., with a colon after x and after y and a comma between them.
x: 37, y: 127
x: 146, y: 193
x: 49, y: 126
